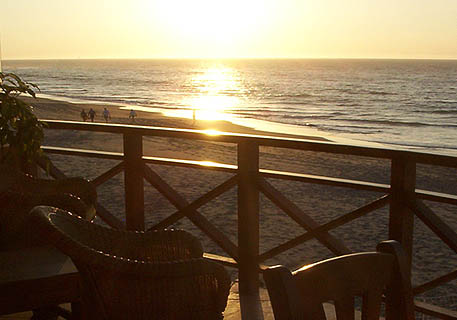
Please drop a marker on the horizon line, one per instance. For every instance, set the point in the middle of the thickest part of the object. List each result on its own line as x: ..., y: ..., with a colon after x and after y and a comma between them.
x: 231, y: 58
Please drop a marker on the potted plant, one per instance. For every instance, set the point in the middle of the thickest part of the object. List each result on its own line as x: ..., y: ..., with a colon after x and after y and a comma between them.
x: 21, y: 133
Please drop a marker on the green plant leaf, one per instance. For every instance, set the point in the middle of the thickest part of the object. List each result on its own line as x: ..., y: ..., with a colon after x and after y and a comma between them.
x: 19, y: 127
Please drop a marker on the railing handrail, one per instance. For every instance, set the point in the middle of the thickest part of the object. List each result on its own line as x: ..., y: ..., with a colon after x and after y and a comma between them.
x: 261, y: 140
x: 285, y: 175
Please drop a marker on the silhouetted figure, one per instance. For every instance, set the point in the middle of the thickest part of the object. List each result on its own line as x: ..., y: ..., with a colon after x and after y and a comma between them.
x: 106, y: 115
x: 132, y: 115
x: 91, y: 114
x: 83, y: 115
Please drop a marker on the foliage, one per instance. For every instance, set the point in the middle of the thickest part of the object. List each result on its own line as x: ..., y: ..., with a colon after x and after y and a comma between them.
x: 19, y: 127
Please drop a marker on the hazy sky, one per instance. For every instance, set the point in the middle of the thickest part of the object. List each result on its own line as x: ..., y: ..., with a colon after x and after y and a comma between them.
x: 231, y: 28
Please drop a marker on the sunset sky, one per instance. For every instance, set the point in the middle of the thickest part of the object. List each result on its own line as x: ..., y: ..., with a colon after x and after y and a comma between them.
x: 48, y: 29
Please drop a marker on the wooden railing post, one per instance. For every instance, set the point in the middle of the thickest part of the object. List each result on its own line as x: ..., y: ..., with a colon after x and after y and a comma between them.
x: 401, y: 220
x: 133, y: 179
x: 248, y: 217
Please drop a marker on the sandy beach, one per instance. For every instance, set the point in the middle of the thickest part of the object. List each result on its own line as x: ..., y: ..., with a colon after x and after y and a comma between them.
x: 432, y: 257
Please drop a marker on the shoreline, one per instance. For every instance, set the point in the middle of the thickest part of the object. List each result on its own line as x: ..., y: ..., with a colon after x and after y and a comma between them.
x: 46, y: 108
x: 166, y: 118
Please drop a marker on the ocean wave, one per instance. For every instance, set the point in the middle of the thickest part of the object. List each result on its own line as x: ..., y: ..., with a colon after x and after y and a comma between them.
x: 431, y: 145
x: 438, y: 111
x: 446, y: 101
x: 348, y: 130
x: 360, y: 91
x: 247, y: 114
x: 382, y: 93
x: 305, y: 117
x: 398, y: 123
x: 167, y: 107
x: 299, y: 103
x: 348, y: 104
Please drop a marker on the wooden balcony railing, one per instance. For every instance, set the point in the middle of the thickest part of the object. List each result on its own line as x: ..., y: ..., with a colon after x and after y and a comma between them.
x: 401, y: 195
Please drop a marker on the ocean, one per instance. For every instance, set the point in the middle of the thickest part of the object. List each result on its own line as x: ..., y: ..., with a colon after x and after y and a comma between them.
x: 406, y: 103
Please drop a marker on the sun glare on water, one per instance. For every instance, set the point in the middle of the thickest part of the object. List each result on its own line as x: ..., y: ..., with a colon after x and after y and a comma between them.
x: 217, y: 89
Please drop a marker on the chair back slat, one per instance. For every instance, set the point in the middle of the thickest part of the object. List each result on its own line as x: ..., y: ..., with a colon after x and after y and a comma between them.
x: 344, y: 308
x: 371, y: 304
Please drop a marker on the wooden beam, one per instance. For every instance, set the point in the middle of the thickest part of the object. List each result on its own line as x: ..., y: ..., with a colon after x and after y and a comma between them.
x: 206, y: 165
x: 437, y: 196
x: 53, y: 170
x: 217, y: 191
x: 323, y: 229
x: 133, y: 179
x: 435, y: 223
x: 108, y: 174
x: 109, y: 218
x: 307, y: 178
x: 435, y: 311
x: 292, y: 210
x: 84, y: 153
x: 401, y: 218
x: 101, y: 212
x: 200, y: 221
x: 335, y: 182
x: 435, y: 283
x: 248, y: 218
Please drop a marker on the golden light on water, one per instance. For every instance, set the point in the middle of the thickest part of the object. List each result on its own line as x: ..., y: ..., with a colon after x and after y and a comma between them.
x: 212, y: 107
x: 215, y: 86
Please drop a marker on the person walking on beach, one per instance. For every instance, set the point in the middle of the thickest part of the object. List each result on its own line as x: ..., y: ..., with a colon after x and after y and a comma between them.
x: 83, y: 115
x: 106, y: 115
x: 91, y: 114
x: 132, y: 115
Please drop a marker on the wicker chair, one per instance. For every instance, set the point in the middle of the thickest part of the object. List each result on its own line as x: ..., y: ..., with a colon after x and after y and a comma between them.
x: 41, y: 190
x: 137, y: 275
x: 33, y: 275
x: 19, y: 193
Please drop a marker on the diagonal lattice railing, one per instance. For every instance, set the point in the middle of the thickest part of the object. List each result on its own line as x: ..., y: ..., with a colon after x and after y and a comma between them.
x: 401, y: 196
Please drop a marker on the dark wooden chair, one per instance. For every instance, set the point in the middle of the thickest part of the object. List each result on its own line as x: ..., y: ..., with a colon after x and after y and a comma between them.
x: 34, y: 275
x: 300, y: 294
x: 138, y: 275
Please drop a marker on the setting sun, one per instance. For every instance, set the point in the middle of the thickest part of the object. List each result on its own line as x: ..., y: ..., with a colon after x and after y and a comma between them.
x: 219, y: 28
